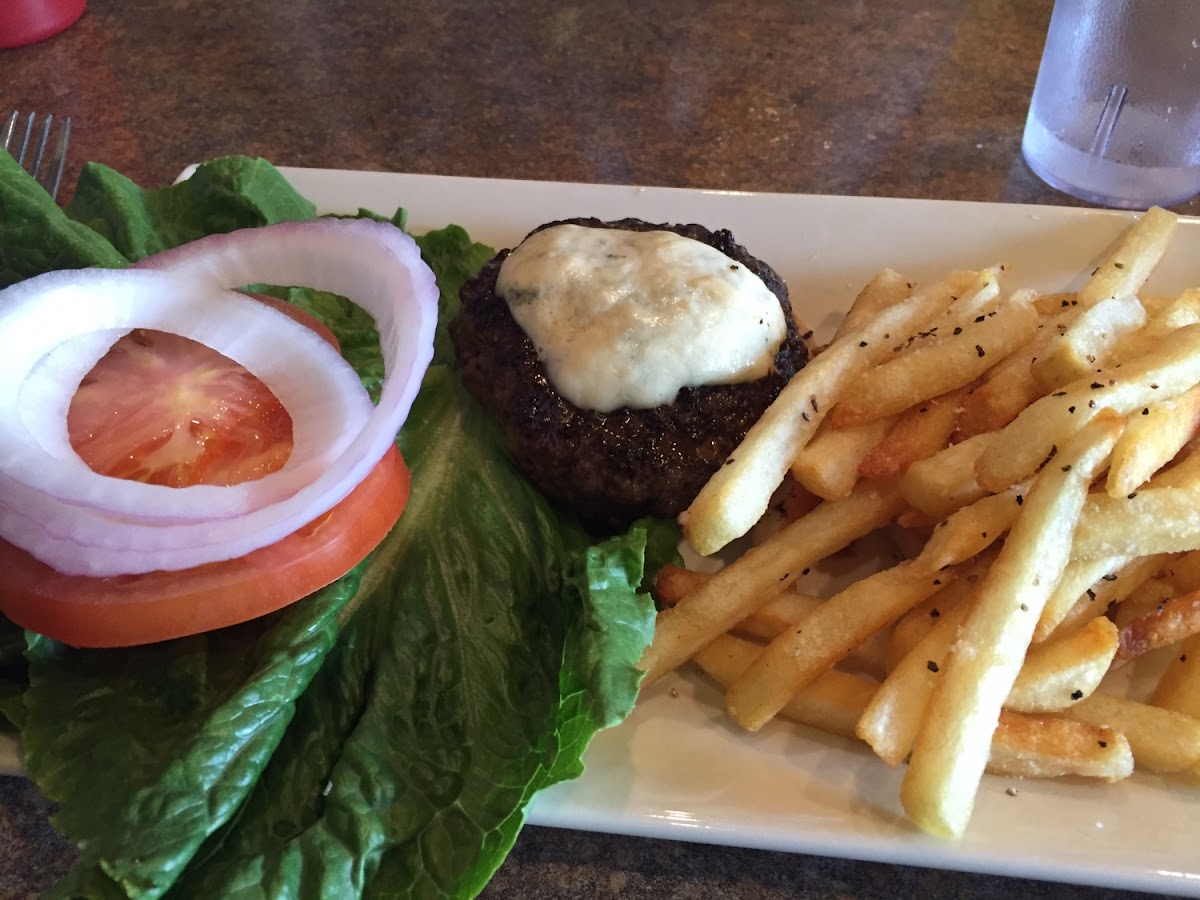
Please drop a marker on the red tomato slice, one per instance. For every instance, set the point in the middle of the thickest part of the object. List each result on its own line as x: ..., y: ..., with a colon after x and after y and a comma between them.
x: 163, y: 409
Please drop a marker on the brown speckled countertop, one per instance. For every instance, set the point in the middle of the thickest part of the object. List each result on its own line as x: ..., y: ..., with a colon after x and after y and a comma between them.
x: 891, y: 98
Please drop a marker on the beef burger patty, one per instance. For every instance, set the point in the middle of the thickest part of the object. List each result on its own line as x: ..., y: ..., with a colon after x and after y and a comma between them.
x: 612, y: 467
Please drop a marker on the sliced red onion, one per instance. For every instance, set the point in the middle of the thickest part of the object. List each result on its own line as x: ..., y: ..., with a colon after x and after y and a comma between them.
x: 54, y: 328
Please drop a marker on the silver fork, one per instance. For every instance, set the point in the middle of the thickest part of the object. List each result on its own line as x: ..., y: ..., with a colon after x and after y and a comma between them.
x: 34, y: 136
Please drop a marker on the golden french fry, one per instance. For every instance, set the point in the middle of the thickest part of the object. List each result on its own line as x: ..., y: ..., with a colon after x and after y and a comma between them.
x: 1162, y: 740
x: 773, y: 617
x: 1156, y: 520
x: 973, y: 528
x: 1088, y: 342
x: 951, y: 749
x: 1094, y: 584
x: 886, y: 289
x: 832, y: 703
x: 1064, y: 670
x: 1049, y: 680
x: 673, y: 583
x: 1049, y: 747
x: 939, y: 365
x: 1023, y: 746
x: 762, y: 572
x: 1184, y: 471
x: 946, y: 481
x: 1031, y: 438
x: 1010, y: 386
x: 1051, y: 304
x: 1169, y: 622
x: 828, y: 465
x: 1150, y: 596
x: 979, y: 294
x: 893, y: 717
x: 739, y: 492
x: 917, y: 433
x: 825, y: 636
x: 1129, y: 263
x: 1183, y: 572
x: 924, y: 617
x: 1153, y: 437
x: 1178, y: 687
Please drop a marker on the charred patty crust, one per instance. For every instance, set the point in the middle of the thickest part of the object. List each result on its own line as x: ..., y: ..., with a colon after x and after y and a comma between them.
x: 617, y: 466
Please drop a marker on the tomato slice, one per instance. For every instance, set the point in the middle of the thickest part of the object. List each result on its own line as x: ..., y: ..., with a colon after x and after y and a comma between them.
x: 162, y: 409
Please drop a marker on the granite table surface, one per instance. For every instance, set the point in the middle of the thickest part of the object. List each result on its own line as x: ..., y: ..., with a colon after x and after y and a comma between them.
x: 895, y: 98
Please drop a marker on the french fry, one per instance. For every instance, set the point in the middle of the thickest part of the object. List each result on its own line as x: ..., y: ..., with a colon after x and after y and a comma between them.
x: 1030, y: 439
x: 1184, y: 471
x: 1153, y: 437
x: 825, y: 636
x: 1023, y: 746
x: 939, y: 365
x: 918, y: 433
x: 798, y: 501
x: 1175, y: 313
x: 832, y: 703
x: 773, y: 617
x: 973, y: 528
x: 673, y: 583
x: 762, y: 572
x: 1088, y: 342
x: 951, y: 749
x: 1178, y: 687
x: 924, y: 617
x: 894, y: 713
x: 1048, y: 747
x: 893, y: 716
x: 739, y: 492
x: 979, y: 294
x: 1168, y: 623
x: 1150, y: 596
x: 1094, y: 584
x: 1129, y: 263
x: 1015, y: 589
x: 946, y: 481
x: 828, y: 466
x: 1061, y: 672
x: 1183, y: 572
x: 1162, y: 740
x: 1157, y: 520
x: 1050, y: 304
x: 886, y: 289
x: 1010, y: 386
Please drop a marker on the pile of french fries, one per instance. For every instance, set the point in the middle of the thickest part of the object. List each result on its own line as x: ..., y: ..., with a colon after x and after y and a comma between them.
x: 1040, y: 455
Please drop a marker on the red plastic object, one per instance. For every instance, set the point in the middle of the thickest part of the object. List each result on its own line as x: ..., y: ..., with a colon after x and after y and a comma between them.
x: 28, y: 21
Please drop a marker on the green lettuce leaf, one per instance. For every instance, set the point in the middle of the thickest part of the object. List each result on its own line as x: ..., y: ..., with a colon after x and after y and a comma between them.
x: 36, y: 236
x: 383, y: 736
x: 222, y: 195
x: 454, y: 664
x: 454, y: 258
x: 150, y: 749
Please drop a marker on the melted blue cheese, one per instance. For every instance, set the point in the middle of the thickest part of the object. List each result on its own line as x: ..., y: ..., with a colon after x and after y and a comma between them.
x: 627, y: 318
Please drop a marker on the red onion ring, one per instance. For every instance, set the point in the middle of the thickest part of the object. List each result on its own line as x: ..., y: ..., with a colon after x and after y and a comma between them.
x: 55, y: 327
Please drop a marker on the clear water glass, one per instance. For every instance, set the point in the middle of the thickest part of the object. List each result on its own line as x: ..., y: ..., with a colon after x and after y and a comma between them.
x: 1115, y: 114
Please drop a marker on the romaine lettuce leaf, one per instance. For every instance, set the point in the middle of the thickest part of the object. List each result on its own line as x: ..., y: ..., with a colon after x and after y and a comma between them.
x: 480, y: 647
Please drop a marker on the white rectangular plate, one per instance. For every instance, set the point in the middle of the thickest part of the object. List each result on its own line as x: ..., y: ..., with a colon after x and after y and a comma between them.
x: 678, y: 768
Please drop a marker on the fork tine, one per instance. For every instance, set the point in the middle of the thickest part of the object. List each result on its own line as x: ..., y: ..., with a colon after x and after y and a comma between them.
x: 46, y: 168
x: 35, y: 166
x: 9, y: 127
x: 58, y: 160
x: 25, y: 140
